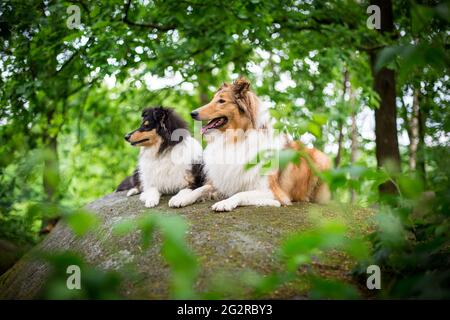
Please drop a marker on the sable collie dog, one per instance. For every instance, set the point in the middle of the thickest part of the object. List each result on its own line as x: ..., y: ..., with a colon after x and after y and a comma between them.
x: 169, y: 160
x: 237, y: 130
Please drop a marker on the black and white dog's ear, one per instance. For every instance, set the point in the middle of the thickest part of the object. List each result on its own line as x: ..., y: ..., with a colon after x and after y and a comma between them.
x: 155, y: 113
x: 162, y: 118
x: 167, y: 122
x: 158, y: 113
x: 145, y: 113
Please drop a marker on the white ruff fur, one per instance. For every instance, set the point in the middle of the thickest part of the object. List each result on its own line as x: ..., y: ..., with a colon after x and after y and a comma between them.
x: 166, y: 173
x: 225, y: 161
x: 224, y: 164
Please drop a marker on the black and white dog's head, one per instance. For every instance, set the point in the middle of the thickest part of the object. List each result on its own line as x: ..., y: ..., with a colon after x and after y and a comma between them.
x: 157, y: 128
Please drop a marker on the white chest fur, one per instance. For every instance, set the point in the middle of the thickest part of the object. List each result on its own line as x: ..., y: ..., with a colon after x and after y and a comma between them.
x: 225, y: 162
x: 167, y: 172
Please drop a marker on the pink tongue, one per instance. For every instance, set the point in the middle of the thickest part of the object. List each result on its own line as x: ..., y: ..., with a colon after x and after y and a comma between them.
x: 205, y: 128
x: 208, y: 126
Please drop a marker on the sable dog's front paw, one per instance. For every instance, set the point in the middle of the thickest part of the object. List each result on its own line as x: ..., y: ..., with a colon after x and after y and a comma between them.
x: 268, y: 203
x: 181, y: 199
x: 224, y: 205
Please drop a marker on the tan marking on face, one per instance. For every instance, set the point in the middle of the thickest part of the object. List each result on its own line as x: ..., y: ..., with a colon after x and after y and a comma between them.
x: 229, y: 109
x: 152, y: 136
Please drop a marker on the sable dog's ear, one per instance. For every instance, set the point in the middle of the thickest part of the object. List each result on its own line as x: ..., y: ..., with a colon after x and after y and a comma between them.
x: 223, y: 86
x: 244, y: 102
x: 240, y: 87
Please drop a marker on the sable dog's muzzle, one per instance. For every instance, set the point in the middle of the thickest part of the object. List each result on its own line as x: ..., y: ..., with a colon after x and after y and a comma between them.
x: 194, y: 115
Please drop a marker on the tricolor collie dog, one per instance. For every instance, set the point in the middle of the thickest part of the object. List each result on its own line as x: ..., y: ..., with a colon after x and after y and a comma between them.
x: 237, y: 131
x: 169, y: 160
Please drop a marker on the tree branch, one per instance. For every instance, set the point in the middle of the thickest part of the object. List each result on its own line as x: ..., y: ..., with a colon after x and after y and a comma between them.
x: 83, y: 85
x: 151, y: 25
x: 74, y: 55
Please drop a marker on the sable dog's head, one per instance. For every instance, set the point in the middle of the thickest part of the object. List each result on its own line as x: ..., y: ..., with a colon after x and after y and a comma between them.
x: 156, y: 128
x: 233, y: 107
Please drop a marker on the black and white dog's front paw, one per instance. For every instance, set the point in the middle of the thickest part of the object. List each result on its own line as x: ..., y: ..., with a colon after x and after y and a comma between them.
x: 150, y: 199
x: 152, y: 202
x: 132, y: 192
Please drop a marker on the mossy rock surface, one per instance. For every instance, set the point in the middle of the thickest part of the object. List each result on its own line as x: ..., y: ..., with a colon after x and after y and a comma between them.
x: 245, y: 239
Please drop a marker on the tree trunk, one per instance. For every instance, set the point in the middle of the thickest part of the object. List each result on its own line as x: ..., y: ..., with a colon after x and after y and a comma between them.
x: 387, y: 151
x: 51, y: 168
x: 421, y: 116
x: 354, y: 139
x: 203, y: 87
x: 50, y: 174
x: 414, y: 131
x: 404, y: 114
x: 337, y: 160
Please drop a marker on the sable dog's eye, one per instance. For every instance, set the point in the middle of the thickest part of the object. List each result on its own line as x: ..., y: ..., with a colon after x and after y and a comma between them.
x: 221, y: 101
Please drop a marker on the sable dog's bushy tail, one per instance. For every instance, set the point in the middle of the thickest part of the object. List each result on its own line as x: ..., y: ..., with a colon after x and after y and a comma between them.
x: 130, y: 182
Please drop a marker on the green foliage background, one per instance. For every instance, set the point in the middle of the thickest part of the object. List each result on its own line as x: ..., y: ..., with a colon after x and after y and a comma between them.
x: 69, y: 95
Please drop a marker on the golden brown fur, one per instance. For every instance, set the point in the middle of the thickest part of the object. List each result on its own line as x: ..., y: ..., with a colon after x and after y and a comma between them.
x: 239, y: 106
x: 296, y: 182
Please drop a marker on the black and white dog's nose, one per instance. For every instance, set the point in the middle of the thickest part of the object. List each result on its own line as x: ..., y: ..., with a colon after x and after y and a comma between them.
x: 127, y: 136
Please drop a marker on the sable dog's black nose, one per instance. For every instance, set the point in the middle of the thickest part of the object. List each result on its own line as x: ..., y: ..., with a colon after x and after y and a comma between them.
x: 127, y: 136
x: 194, y: 115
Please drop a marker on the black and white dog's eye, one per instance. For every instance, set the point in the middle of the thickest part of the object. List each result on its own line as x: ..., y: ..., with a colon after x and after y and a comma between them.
x: 221, y: 101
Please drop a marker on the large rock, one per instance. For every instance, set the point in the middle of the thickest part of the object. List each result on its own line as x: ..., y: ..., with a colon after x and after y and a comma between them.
x: 246, y: 238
